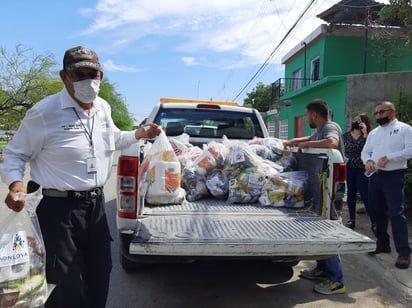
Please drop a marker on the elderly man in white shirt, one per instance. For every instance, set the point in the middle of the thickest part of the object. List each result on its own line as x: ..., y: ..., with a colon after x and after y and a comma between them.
x: 69, y: 139
x: 385, y: 155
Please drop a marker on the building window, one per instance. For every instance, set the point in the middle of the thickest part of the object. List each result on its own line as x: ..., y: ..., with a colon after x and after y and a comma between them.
x: 314, y: 69
x: 272, y: 128
x: 283, y: 129
x: 296, y: 80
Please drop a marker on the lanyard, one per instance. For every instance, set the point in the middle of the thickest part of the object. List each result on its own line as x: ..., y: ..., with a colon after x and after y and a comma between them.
x: 89, y: 135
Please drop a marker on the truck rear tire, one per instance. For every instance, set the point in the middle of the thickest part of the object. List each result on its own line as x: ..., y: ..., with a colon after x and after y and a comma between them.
x: 129, y: 265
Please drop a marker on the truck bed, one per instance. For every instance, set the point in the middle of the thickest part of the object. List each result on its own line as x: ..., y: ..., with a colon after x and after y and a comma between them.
x: 214, y: 228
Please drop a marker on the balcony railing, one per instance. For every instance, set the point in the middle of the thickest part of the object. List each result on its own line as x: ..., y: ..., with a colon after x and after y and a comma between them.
x: 283, y: 86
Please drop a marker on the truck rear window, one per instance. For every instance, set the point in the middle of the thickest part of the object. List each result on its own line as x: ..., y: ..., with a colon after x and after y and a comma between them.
x: 209, y: 123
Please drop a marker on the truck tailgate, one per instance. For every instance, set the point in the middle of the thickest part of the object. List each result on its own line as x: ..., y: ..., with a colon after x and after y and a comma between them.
x: 212, y: 228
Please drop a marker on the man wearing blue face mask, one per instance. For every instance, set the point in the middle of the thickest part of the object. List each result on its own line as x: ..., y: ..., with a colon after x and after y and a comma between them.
x: 385, y: 155
x: 69, y: 139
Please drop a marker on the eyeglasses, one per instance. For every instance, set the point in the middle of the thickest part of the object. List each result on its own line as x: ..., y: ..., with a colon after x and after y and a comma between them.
x: 381, y: 112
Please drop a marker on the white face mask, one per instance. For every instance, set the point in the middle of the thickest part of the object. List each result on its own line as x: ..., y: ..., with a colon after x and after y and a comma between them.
x: 86, y: 90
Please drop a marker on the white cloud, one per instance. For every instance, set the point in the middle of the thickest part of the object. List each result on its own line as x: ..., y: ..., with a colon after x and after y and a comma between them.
x: 110, y: 66
x: 192, y: 61
x: 189, y: 61
x: 243, y: 32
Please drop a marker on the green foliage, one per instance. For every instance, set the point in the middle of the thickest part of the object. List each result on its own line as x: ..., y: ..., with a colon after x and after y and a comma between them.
x: 398, y: 12
x: 260, y: 97
x: 120, y: 114
x: 25, y: 78
x: 403, y: 104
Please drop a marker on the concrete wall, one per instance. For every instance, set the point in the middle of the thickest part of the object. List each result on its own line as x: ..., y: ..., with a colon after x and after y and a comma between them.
x: 364, y: 91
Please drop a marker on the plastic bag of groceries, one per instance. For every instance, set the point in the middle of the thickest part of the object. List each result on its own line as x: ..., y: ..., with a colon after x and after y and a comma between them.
x: 160, y: 174
x: 194, y: 184
x: 284, y: 190
x: 23, y: 257
x: 212, y: 157
x: 296, y: 186
x: 180, y: 144
x: 218, y: 184
x: 246, y: 172
x: 268, y: 148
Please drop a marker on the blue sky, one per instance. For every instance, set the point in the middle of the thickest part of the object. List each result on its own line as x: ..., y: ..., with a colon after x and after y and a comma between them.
x: 149, y: 49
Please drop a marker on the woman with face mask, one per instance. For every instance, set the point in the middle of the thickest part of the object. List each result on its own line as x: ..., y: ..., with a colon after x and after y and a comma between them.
x: 354, y: 141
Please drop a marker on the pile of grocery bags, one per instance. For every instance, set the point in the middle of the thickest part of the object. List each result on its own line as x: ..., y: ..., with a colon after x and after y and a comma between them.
x: 258, y: 171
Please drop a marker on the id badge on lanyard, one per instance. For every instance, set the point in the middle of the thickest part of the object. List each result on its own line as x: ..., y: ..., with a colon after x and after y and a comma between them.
x: 91, y: 165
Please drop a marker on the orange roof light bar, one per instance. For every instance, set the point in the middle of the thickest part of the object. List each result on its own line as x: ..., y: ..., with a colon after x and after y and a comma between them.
x: 195, y: 101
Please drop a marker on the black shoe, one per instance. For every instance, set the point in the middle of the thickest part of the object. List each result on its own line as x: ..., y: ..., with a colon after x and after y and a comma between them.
x: 381, y: 249
x: 403, y: 262
x: 350, y: 224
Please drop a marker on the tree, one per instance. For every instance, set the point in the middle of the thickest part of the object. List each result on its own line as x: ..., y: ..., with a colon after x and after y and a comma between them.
x: 398, y: 12
x: 120, y: 114
x: 24, y: 80
x: 403, y: 104
x: 27, y: 78
x: 259, y: 98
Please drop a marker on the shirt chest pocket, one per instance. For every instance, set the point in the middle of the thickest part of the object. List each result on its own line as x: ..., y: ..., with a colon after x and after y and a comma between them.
x: 106, y: 133
x: 108, y: 140
x: 395, y: 140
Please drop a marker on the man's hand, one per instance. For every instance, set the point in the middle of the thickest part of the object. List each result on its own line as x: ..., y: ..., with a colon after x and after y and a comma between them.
x: 148, y: 131
x: 291, y: 143
x: 370, y: 166
x: 12, y: 204
x: 383, y: 161
x: 304, y: 145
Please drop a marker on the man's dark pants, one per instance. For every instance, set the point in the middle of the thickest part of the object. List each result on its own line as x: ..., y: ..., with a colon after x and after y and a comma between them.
x: 386, y: 199
x: 77, y: 241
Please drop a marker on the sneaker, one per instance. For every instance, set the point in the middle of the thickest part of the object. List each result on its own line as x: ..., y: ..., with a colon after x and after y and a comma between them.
x: 313, y: 274
x: 330, y: 287
x: 403, y: 262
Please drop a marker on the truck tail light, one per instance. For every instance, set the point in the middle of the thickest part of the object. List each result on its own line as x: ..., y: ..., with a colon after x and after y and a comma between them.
x: 339, y: 187
x: 127, y: 173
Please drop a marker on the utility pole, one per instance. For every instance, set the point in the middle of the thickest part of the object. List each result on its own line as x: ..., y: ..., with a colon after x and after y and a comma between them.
x: 365, y: 43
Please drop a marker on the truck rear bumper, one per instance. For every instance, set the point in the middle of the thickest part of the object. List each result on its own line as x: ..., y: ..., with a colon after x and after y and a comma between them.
x: 246, y: 236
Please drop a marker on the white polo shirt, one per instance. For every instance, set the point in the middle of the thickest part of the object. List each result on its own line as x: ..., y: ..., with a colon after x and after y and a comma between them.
x: 57, y: 145
x: 393, y: 141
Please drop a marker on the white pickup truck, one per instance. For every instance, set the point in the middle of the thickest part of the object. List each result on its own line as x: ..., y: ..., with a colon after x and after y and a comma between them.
x: 213, y: 228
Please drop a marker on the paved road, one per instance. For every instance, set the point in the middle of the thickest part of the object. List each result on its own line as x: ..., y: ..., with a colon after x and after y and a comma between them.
x: 371, y: 281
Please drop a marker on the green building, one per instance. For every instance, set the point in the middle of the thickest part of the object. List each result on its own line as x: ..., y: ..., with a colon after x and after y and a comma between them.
x: 351, y: 67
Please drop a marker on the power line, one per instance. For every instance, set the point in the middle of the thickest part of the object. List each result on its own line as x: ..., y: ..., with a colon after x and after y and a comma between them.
x: 270, y: 57
x: 251, y: 32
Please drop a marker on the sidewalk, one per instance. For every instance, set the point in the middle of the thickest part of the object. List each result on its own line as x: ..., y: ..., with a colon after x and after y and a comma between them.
x: 393, y: 282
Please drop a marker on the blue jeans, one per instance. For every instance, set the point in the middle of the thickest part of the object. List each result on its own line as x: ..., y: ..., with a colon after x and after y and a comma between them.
x: 332, y: 268
x: 356, y: 181
x: 386, y: 198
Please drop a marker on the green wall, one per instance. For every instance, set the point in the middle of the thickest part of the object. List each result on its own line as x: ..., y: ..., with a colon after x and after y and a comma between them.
x: 343, y: 55
x: 339, y: 56
x: 333, y: 93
